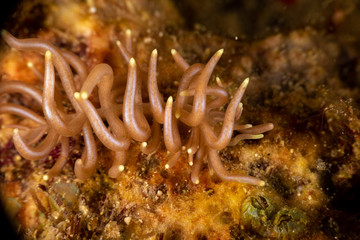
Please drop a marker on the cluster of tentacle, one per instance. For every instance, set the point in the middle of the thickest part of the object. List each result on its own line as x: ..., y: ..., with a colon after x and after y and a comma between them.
x: 120, y: 115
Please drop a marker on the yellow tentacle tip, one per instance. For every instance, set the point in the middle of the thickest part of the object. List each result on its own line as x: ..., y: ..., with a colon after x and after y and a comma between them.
x: 262, y: 183
x: 77, y: 95
x: 29, y: 64
x: 46, y: 177
x: 79, y: 162
x: 173, y: 52
x: 189, y: 151
x: 118, y: 43
x: 48, y: 55
x: 220, y: 52
x: 143, y: 144
x: 177, y: 115
x: 239, y: 107
x: 257, y: 136
x: 84, y: 95
x: 197, y: 181
x: 16, y: 131
x: 154, y: 53
x: 191, y: 163
x: 3, y: 32
x: 246, y: 82
x: 128, y: 32
x: 121, y: 168
x: 218, y: 82
x: 167, y: 166
x: 170, y: 99
x: 132, y: 62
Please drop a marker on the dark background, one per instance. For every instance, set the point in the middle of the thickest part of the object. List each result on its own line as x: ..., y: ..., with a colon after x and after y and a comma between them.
x: 6, y: 10
x: 6, y: 228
